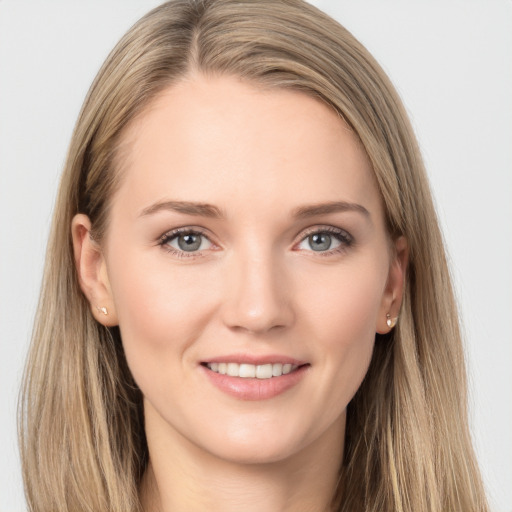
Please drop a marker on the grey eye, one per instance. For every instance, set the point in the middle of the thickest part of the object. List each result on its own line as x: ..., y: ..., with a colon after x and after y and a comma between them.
x: 189, y: 242
x: 320, y: 241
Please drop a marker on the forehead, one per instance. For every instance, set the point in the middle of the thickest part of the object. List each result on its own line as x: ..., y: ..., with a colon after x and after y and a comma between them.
x: 216, y: 139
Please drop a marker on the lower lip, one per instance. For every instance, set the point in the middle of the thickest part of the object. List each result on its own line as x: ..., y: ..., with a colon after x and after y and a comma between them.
x: 255, y: 389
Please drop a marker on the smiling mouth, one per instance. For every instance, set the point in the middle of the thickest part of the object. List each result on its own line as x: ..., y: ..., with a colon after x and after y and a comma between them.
x: 252, y: 371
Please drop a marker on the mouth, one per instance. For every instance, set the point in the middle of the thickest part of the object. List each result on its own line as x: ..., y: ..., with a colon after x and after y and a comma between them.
x: 256, y: 379
x: 252, y: 371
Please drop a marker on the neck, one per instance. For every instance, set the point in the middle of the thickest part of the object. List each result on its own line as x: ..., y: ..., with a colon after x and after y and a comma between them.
x: 181, y: 477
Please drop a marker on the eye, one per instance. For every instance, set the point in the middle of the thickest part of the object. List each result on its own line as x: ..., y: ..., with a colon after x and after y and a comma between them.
x: 326, y: 240
x: 185, y: 241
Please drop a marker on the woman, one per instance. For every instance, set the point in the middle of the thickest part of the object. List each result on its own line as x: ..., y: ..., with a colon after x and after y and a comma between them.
x: 246, y: 302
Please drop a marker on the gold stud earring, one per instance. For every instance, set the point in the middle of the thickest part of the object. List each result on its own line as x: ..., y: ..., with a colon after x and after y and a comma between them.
x: 103, y: 310
x: 391, y: 322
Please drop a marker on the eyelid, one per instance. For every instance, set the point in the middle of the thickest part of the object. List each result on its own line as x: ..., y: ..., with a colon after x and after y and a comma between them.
x: 180, y: 230
x: 343, y: 236
x: 163, y: 240
x: 325, y: 229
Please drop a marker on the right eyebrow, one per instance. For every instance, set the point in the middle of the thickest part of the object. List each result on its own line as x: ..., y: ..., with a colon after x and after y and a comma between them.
x: 186, y: 207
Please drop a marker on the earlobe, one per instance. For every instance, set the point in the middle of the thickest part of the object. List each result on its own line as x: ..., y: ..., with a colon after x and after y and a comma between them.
x: 393, y: 294
x: 92, y: 271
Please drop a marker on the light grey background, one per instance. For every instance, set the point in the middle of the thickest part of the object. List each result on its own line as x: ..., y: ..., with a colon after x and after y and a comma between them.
x: 451, y: 61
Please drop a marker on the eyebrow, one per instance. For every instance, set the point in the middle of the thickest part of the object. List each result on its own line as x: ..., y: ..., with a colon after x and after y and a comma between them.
x: 304, y: 212
x: 211, y: 211
x: 186, y: 207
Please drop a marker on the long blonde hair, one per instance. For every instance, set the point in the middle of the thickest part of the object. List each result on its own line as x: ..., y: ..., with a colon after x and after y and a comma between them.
x: 408, y: 446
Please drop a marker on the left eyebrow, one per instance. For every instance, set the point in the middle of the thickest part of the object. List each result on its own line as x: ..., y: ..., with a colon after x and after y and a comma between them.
x: 304, y: 212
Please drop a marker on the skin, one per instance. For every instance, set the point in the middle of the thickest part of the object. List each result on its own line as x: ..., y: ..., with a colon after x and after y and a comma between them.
x: 255, y: 286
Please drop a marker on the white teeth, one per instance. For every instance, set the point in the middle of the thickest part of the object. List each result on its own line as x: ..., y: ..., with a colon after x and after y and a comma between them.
x: 247, y: 371
x: 251, y: 371
x: 264, y: 371
x: 233, y: 369
x: 277, y: 369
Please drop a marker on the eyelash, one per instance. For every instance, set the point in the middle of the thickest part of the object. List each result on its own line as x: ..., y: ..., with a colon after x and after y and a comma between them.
x: 164, y: 240
x: 345, y: 239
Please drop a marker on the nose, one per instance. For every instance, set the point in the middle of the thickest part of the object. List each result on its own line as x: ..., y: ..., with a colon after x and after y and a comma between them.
x: 258, y: 296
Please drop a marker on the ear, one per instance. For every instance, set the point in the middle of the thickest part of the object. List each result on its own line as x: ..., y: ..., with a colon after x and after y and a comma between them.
x: 92, y: 271
x: 393, y: 293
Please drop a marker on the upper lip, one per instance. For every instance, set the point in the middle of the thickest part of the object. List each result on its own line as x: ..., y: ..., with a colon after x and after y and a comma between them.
x: 255, y: 359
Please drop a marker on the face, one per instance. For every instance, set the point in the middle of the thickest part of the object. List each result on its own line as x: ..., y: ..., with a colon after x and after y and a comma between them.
x: 248, y: 266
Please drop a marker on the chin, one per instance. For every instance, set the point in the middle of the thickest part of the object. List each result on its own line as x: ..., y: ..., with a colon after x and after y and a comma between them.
x: 257, y: 446
x: 255, y: 454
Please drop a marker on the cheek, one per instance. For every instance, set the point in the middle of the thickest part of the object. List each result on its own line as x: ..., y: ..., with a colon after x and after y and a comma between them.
x: 346, y: 302
x: 342, y: 312
x: 159, y: 310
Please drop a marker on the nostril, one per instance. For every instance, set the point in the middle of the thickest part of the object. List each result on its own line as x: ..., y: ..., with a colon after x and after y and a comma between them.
x: 256, y: 299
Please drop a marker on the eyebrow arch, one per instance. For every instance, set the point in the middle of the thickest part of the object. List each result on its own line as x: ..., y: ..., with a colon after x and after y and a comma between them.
x: 304, y: 212
x: 208, y: 210
x: 186, y: 207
